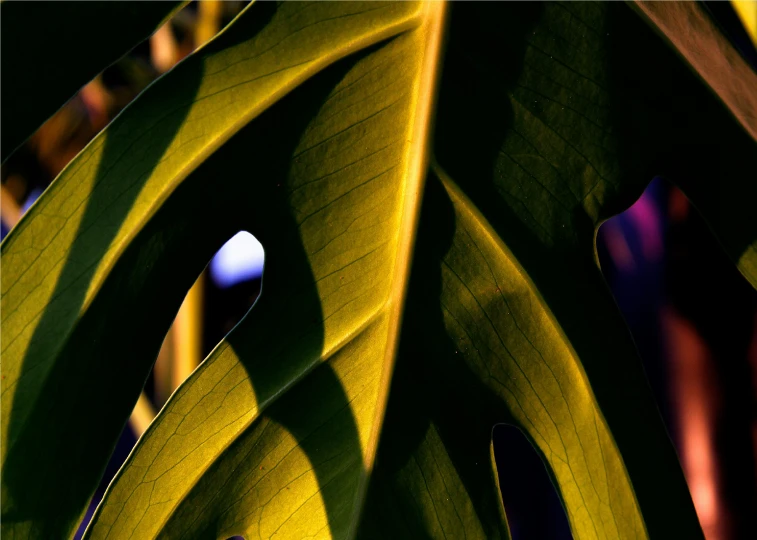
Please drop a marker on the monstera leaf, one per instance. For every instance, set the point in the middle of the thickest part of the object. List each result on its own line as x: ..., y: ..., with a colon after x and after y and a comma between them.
x: 357, y: 397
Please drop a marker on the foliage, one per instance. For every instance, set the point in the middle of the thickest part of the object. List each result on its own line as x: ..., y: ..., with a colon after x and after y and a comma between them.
x: 358, y: 397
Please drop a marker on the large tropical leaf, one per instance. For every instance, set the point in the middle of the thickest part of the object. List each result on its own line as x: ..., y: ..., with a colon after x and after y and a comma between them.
x: 51, y: 49
x: 308, y: 125
x: 75, y: 259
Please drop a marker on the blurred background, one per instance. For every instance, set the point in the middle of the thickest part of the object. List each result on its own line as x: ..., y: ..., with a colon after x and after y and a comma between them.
x: 692, y: 315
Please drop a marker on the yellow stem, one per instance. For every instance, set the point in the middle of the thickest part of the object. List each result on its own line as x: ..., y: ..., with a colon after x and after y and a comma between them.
x: 187, y: 335
x: 209, y: 19
x: 142, y: 415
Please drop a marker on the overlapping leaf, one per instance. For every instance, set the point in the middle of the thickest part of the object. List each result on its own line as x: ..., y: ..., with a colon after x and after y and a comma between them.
x: 551, y: 117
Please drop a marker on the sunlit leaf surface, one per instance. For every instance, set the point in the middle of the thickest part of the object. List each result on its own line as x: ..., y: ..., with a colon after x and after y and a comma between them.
x: 358, y: 396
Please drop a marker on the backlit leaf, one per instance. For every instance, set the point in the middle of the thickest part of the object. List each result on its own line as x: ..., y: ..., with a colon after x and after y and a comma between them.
x: 311, y: 126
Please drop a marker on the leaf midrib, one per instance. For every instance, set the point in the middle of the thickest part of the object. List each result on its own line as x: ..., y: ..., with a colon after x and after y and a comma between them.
x: 419, y: 156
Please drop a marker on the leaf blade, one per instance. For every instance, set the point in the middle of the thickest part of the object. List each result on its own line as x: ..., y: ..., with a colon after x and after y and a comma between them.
x: 351, y: 149
x: 75, y: 247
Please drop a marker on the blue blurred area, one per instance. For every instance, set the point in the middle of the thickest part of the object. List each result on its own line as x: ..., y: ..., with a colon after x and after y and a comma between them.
x: 632, y: 250
x: 30, y: 199
x: 240, y: 259
x: 33, y: 196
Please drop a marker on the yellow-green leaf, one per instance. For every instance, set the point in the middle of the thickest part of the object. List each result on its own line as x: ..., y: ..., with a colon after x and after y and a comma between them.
x: 308, y: 125
x: 75, y: 252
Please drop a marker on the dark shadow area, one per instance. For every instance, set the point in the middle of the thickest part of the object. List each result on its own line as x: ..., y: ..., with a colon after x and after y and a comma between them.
x: 638, y: 286
x: 671, y: 125
x: 693, y: 278
x: 533, y: 507
x: 438, y: 411
x: 59, y: 39
x: 126, y: 442
x: 723, y: 311
x: 664, y: 121
x: 225, y: 307
x: 728, y: 21
x: 686, y: 136
x: 483, y: 62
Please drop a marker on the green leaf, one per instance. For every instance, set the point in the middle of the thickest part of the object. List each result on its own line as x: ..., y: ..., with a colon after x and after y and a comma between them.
x: 299, y: 385
x: 79, y: 250
x: 306, y: 124
x: 590, y: 122
x: 51, y: 50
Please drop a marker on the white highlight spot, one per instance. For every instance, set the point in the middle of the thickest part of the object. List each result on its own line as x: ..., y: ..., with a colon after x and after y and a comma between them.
x: 240, y: 259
